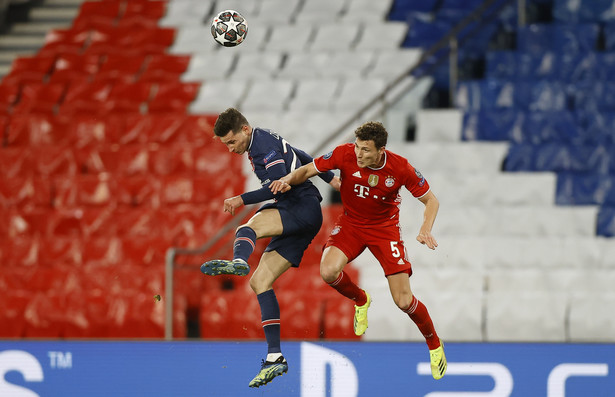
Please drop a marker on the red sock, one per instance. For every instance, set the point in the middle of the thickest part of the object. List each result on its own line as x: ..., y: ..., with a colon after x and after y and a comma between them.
x: 419, y: 314
x: 344, y: 285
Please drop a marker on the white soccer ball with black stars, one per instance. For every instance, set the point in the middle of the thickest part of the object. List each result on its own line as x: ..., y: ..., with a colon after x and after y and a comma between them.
x: 229, y: 28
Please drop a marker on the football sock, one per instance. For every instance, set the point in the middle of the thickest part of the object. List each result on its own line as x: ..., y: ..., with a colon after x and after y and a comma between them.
x: 419, y: 314
x: 270, y: 320
x: 344, y: 285
x: 271, y: 357
x: 245, y: 239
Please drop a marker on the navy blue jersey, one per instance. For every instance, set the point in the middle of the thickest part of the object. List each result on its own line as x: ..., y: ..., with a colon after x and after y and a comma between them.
x: 273, y: 158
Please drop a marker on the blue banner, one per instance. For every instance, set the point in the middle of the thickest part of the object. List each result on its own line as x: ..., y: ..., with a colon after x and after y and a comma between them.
x: 332, y: 369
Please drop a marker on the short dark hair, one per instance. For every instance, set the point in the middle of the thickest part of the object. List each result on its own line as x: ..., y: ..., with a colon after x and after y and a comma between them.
x: 229, y: 120
x: 372, y: 131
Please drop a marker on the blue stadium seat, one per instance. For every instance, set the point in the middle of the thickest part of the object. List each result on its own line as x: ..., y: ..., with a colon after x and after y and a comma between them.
x: 402, y: 9
x: 583, y: 11
x: 580, y: 188
x: 569, y: 39
x: 606, y: 221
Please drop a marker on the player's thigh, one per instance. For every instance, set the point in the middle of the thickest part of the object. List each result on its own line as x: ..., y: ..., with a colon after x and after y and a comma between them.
x: 271, y: 266
x: 266, y: 223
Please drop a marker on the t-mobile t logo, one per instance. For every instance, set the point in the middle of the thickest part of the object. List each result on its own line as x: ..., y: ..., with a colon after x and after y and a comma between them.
x: 361, y: 191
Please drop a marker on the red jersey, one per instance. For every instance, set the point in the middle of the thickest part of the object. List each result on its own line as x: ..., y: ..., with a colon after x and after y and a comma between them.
x: 371, y: 195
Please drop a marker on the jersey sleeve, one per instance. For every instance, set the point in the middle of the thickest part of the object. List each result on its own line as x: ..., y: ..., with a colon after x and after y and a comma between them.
x: 415, y: 182
x: 306, y: 159
x: 276, y: 169
x: 329, y: 161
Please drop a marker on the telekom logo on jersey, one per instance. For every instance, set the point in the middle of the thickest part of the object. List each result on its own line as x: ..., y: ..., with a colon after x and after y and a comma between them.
x: 361, y: 191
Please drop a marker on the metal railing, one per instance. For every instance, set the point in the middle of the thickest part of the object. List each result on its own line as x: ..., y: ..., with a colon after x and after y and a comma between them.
x: 379, y: 105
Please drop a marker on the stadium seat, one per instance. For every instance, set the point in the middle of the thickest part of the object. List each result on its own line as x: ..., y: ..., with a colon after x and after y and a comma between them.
x: 25, y: 192
x: 315, y: 94
x: 138, y: 190
x: 276, y: 12
x: 65, y: 41
x: 25, y: 70
x: 164, y: 67
x: 186, y: 13
x: 300, y: 314
x: 216, y: 95
x: 372, y: 33
x: 189, y: 40
x: 367, y: 10
x: 69, y: 67
x: 9, y: 93
x: 345, y: 35
x: 528, y: 317
x: 12, y: 313
x: 590, y: 317
x: 277, y: 92
x: 202, y: 69
x: 172, y: 97
x: 257, y: 65
x: 279, y: 42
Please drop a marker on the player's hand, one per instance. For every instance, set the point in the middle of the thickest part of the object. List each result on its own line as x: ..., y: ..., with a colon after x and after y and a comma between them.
x: 231, y: 204
x: 279, y: 186
x: 427, y: 239
x: 336, y: 182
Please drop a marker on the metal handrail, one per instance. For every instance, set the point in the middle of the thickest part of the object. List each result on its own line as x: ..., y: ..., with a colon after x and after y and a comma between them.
x: 450, y: 40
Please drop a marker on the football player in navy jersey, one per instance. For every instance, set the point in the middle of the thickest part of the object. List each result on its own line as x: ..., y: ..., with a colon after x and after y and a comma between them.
x: 292, y: 221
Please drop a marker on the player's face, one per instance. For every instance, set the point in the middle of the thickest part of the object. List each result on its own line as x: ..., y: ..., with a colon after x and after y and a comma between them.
x: 367, y: 154
x: 237, y: 143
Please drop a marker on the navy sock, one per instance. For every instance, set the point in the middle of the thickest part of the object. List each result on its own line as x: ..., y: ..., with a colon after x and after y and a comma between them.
x: 245, y: 239
x: 270, y: 319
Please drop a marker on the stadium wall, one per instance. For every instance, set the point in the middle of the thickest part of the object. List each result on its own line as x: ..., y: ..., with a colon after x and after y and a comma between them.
x: 336, y: 369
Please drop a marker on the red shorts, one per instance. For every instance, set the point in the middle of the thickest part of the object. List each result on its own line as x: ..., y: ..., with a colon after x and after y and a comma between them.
x: 384, y: 242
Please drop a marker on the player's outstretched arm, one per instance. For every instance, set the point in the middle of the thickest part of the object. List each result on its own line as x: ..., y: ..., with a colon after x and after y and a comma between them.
x: 296, y: 177
x: 429, y: 216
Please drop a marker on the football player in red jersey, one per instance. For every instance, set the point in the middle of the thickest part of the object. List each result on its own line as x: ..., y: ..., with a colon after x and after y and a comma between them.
x: 371, y: 179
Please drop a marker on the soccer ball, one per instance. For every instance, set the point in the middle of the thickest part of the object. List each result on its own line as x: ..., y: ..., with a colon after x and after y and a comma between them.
x: 229, y: 28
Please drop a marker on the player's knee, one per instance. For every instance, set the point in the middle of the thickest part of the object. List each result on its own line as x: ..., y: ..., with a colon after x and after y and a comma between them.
x: 402, y: 300
x: 328, y: 274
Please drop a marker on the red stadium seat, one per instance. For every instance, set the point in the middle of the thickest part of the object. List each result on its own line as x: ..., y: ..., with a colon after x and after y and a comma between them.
x: 339, y: 314
x: 26, y: 223
x: 25, y: 192
x: 22, y: 251
x: 74, y: 67
x: 139, y: 190
x: 131, y: 97
x: 64, y: 41
x: 26, y: 70
x: 88, y: 98
x: 36, y: 130
x: 83, y: 222
x: 231, y: 314
x: 94, y: 131
x: 54, y: 160
x: 120, y: 68
x: 177, y: 160
x: 164, y: 67
x: 16, y: 162
x: 117, y: 160
x: 300, y: 314
x: 85, y: 191
x: 142, y: 252
x: 39, y: 97
x: 9, y: 93
x: 173, y: 97
x: 102, y: 251
x: 138, y: 221
x: 149, y: 9
x: 60, y: 250
x: 12, y: 313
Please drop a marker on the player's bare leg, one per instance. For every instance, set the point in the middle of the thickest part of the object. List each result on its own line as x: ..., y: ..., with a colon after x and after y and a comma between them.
x: 271, y: 266
x: 266, y: 223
